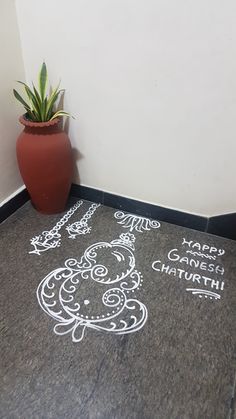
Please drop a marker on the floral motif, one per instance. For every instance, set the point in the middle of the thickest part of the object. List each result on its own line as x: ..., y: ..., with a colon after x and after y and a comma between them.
x: 135, y: 222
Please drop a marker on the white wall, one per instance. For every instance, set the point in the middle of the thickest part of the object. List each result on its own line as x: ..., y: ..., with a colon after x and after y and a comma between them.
x: 152, y: 84
x: 11, y: 68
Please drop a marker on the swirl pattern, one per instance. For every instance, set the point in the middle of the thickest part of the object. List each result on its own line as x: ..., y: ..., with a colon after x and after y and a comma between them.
x: 62, y: 294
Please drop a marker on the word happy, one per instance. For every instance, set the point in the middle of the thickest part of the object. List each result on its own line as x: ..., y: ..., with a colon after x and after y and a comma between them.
x: 197, y: 248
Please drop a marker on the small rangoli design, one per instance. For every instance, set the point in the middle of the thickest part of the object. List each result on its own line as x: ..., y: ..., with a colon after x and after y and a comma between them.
x: 52, y: 238
x: 81, y: 227
x: 135, y: 222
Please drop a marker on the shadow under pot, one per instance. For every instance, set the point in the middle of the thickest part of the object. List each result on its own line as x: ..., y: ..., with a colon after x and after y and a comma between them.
x: 44, y: 157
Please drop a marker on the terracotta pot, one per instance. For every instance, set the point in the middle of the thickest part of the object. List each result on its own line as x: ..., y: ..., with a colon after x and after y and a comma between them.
x: 45, y: 161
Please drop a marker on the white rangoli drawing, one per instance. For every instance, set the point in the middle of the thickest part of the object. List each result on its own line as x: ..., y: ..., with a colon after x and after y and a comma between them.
x: 95, y: 292
x: 180, y: 264
x: 204, y: 293
x: 81, y: 227
x: 202, y: 255
x: 135, y: 222
x: 52, y: 238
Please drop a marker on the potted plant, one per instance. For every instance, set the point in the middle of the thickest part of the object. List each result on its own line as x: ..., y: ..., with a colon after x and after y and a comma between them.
x: 43, y: 149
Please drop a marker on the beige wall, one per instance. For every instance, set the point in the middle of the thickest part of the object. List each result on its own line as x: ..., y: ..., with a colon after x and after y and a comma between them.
x: 11, y: 69
x: 152, y: 84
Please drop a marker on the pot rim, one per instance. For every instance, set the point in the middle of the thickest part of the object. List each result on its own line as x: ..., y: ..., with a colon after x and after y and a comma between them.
x: 28, y: 123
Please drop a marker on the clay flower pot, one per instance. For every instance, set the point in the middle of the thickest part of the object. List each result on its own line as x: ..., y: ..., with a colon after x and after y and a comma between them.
x: 45, y: 161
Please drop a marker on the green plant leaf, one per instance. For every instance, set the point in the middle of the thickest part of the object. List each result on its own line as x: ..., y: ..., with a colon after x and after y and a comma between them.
x: 43, y: 109
x: 37, y: 95
x: 35, y: 107
x: 40, y: 103
x: 60, y: 113
x: 29, y: 92
x: 21, y: 82
x: 33, y: 116
x: 41, y: 106
x: 43, y: 80
x: 51, y: 101
x: 21, y: 100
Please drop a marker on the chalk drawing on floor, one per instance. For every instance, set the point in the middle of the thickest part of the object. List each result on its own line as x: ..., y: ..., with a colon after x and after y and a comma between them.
x: 202, y: 255
x: 135, y: 222
x: 81, y: 226
x: 204, y: 293
x: 97, y: 292
x: 182, y: 264
x: 52, y: 238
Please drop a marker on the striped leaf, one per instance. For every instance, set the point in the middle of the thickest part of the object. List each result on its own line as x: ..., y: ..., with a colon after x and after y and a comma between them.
x: 43, y: 80
x: 21, y: 100
x: 60, y: 113
x: 35, y: 105
x: 51, y: 101
x: 32, y: 97
x: 37, y: 96
x: 41, y: 106
x: 43, y: 109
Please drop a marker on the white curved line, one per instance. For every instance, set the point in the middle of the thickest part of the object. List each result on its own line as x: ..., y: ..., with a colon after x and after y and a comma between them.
x: 204, y: 292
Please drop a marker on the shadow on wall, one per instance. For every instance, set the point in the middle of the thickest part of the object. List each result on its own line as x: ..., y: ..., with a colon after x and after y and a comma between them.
x: 77, y: 156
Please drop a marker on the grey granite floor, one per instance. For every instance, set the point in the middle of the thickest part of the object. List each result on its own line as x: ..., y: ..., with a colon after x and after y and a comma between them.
x: 132, y: 319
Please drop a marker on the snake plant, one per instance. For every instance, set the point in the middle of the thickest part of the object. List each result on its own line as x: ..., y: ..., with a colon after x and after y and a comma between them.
x: 40, y: 106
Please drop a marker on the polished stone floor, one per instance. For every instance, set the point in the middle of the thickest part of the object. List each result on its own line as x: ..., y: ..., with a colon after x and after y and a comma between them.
x: 108, y: 315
